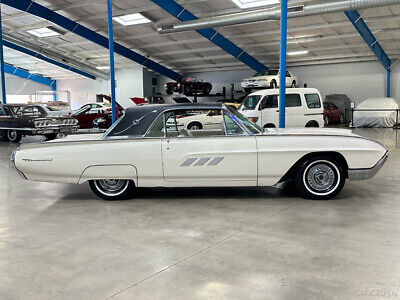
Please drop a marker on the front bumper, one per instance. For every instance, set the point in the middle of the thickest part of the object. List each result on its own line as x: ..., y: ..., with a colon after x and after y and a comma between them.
x: 14, y: 166
x: 255, y: 84
x: 364, y: 174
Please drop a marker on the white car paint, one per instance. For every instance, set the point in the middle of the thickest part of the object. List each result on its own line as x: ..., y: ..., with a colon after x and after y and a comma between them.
x: 264, y: 80
x: 248, y: 160
x: 207, y: 120
x: 54, y: 112
x: 296, y: 116
x: 95, y: 108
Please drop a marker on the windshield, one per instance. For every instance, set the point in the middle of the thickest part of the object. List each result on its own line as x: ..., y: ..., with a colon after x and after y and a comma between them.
x: 31, y: 111
x: 253, y: 128
x: 250, y: 102
x: 52, y: 108
x: 267, y: 73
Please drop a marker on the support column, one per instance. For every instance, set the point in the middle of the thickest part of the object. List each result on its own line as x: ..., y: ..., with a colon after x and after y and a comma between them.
x: 282, y: 65
x: 3, y: 80
x: 388, y: 83
x: 111, y: 51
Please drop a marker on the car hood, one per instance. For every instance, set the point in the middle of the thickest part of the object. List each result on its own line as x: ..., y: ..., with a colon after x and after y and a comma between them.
x: 310, y: 131
x: 258, y: 77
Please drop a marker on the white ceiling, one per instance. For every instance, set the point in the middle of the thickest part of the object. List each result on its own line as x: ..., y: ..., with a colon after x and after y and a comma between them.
x: 328, y: 38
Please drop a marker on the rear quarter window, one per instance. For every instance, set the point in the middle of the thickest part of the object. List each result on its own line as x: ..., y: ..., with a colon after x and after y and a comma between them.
x: 313, y: 101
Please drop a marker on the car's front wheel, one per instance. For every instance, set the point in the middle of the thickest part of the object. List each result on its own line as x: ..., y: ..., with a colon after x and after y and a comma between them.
x: 320, y: 178
x: 14, y: 136
x: 50, y: 136
x: 112, y: 189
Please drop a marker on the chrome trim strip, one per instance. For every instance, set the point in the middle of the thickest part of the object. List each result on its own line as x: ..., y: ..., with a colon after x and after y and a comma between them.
x: 14, y: 166
x: 188, y: 162
x: 202, y: 161
x: 215, y: 161
x: 364, y: 174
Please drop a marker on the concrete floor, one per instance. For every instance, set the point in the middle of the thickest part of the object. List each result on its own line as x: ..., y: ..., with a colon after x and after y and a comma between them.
x: 58, y: 241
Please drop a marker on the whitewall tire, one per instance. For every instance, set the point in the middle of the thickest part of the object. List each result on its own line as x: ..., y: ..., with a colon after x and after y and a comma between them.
x: 112, y: 189
x: 320, y: 178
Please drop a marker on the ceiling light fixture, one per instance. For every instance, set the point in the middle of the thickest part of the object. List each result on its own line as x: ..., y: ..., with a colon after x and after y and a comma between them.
x: 304, y: 52
x: 132, y: 19
x: 254, y: 3
x: 43, y: 32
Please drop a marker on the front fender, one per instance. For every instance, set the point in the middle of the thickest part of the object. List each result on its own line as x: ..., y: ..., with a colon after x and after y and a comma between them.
x: 117, y: 171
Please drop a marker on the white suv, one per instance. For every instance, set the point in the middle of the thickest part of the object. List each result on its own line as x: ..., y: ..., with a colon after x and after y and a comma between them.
x: 268, y: 79
x: 303, y: 108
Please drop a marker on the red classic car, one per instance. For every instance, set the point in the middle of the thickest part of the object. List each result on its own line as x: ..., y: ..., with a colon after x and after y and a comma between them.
x: 189, y: 87
x: 332, y: 114
x: 92, y: 111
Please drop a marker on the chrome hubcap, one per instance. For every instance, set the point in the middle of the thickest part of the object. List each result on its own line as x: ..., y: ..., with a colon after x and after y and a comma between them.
x: 12, y: 134
x: 194, y: 127
x: 321, y: 177
x: 111, y: 186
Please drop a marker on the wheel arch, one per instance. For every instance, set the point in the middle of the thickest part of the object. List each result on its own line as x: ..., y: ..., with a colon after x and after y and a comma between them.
x: 312, y: 122
x: 114, y: 171
x: 335, y: 155
x: 192, y: 122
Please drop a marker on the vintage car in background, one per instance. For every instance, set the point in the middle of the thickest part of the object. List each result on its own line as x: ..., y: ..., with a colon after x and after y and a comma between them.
x: 92, y: 111
x: 377, y: 112
x: 189, y: 87
x: 332, y: 114
x: 235, y: 153
x: 303, y: 108
x: 18, y: 120
x: 268, y: 79
x: 196, y: 120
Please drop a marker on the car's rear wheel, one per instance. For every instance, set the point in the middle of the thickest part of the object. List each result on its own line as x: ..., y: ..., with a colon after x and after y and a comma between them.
x: 51, y: 136
x: 14, y: 136
x: 112, y: 189
x: 326, y: 120
x: 293, y: 84
x: 273, y: 84
x: 320, y: 178
x: 195, y: 126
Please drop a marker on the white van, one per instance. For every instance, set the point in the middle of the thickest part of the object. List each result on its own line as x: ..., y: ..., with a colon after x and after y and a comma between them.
x: 303, y: 108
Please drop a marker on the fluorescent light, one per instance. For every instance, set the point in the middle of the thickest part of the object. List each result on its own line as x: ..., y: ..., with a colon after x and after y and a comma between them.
x: 132, y: 19
x: 102, y: 67
x: 254, y: 3
x: 43, y: 32
x: 304, y: 52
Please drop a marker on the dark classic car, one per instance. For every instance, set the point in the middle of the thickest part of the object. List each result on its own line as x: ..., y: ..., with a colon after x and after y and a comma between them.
x: 17, y: 120
x: 189, y: 87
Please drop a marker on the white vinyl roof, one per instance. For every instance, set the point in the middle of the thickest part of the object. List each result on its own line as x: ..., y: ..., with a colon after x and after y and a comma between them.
x: 329, y: 38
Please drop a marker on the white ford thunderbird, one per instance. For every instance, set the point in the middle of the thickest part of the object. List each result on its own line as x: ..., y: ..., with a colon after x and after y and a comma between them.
x: 140, y: 150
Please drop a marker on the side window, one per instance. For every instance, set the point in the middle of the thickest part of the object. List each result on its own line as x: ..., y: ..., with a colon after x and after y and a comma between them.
x: 270, y: 101
x: 293, y: 100
x: 194, y: 123
x: 2, y: 112
x: 157, y: 130
x: 288, y: 74
x: 170, y: 123
x: 231, y: 127
x: 313, y: 101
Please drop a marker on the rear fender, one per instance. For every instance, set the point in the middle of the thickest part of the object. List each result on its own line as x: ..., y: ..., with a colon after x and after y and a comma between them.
x: 109, y: 172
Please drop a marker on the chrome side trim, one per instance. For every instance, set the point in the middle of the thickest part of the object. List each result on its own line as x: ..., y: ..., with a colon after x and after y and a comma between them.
x: 364, y: 174
x: 188, y: 162
x: 215, y: 161
x: 202, y: 161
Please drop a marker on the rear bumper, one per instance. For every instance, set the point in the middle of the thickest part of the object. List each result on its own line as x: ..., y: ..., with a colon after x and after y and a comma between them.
x: 364, y: 174
x: 55, y: 129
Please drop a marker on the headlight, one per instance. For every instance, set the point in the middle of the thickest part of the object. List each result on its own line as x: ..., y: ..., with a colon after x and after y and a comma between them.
x: 179, y: 85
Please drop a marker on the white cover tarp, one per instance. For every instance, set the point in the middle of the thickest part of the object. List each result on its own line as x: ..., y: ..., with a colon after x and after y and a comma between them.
x: 376, y: 118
